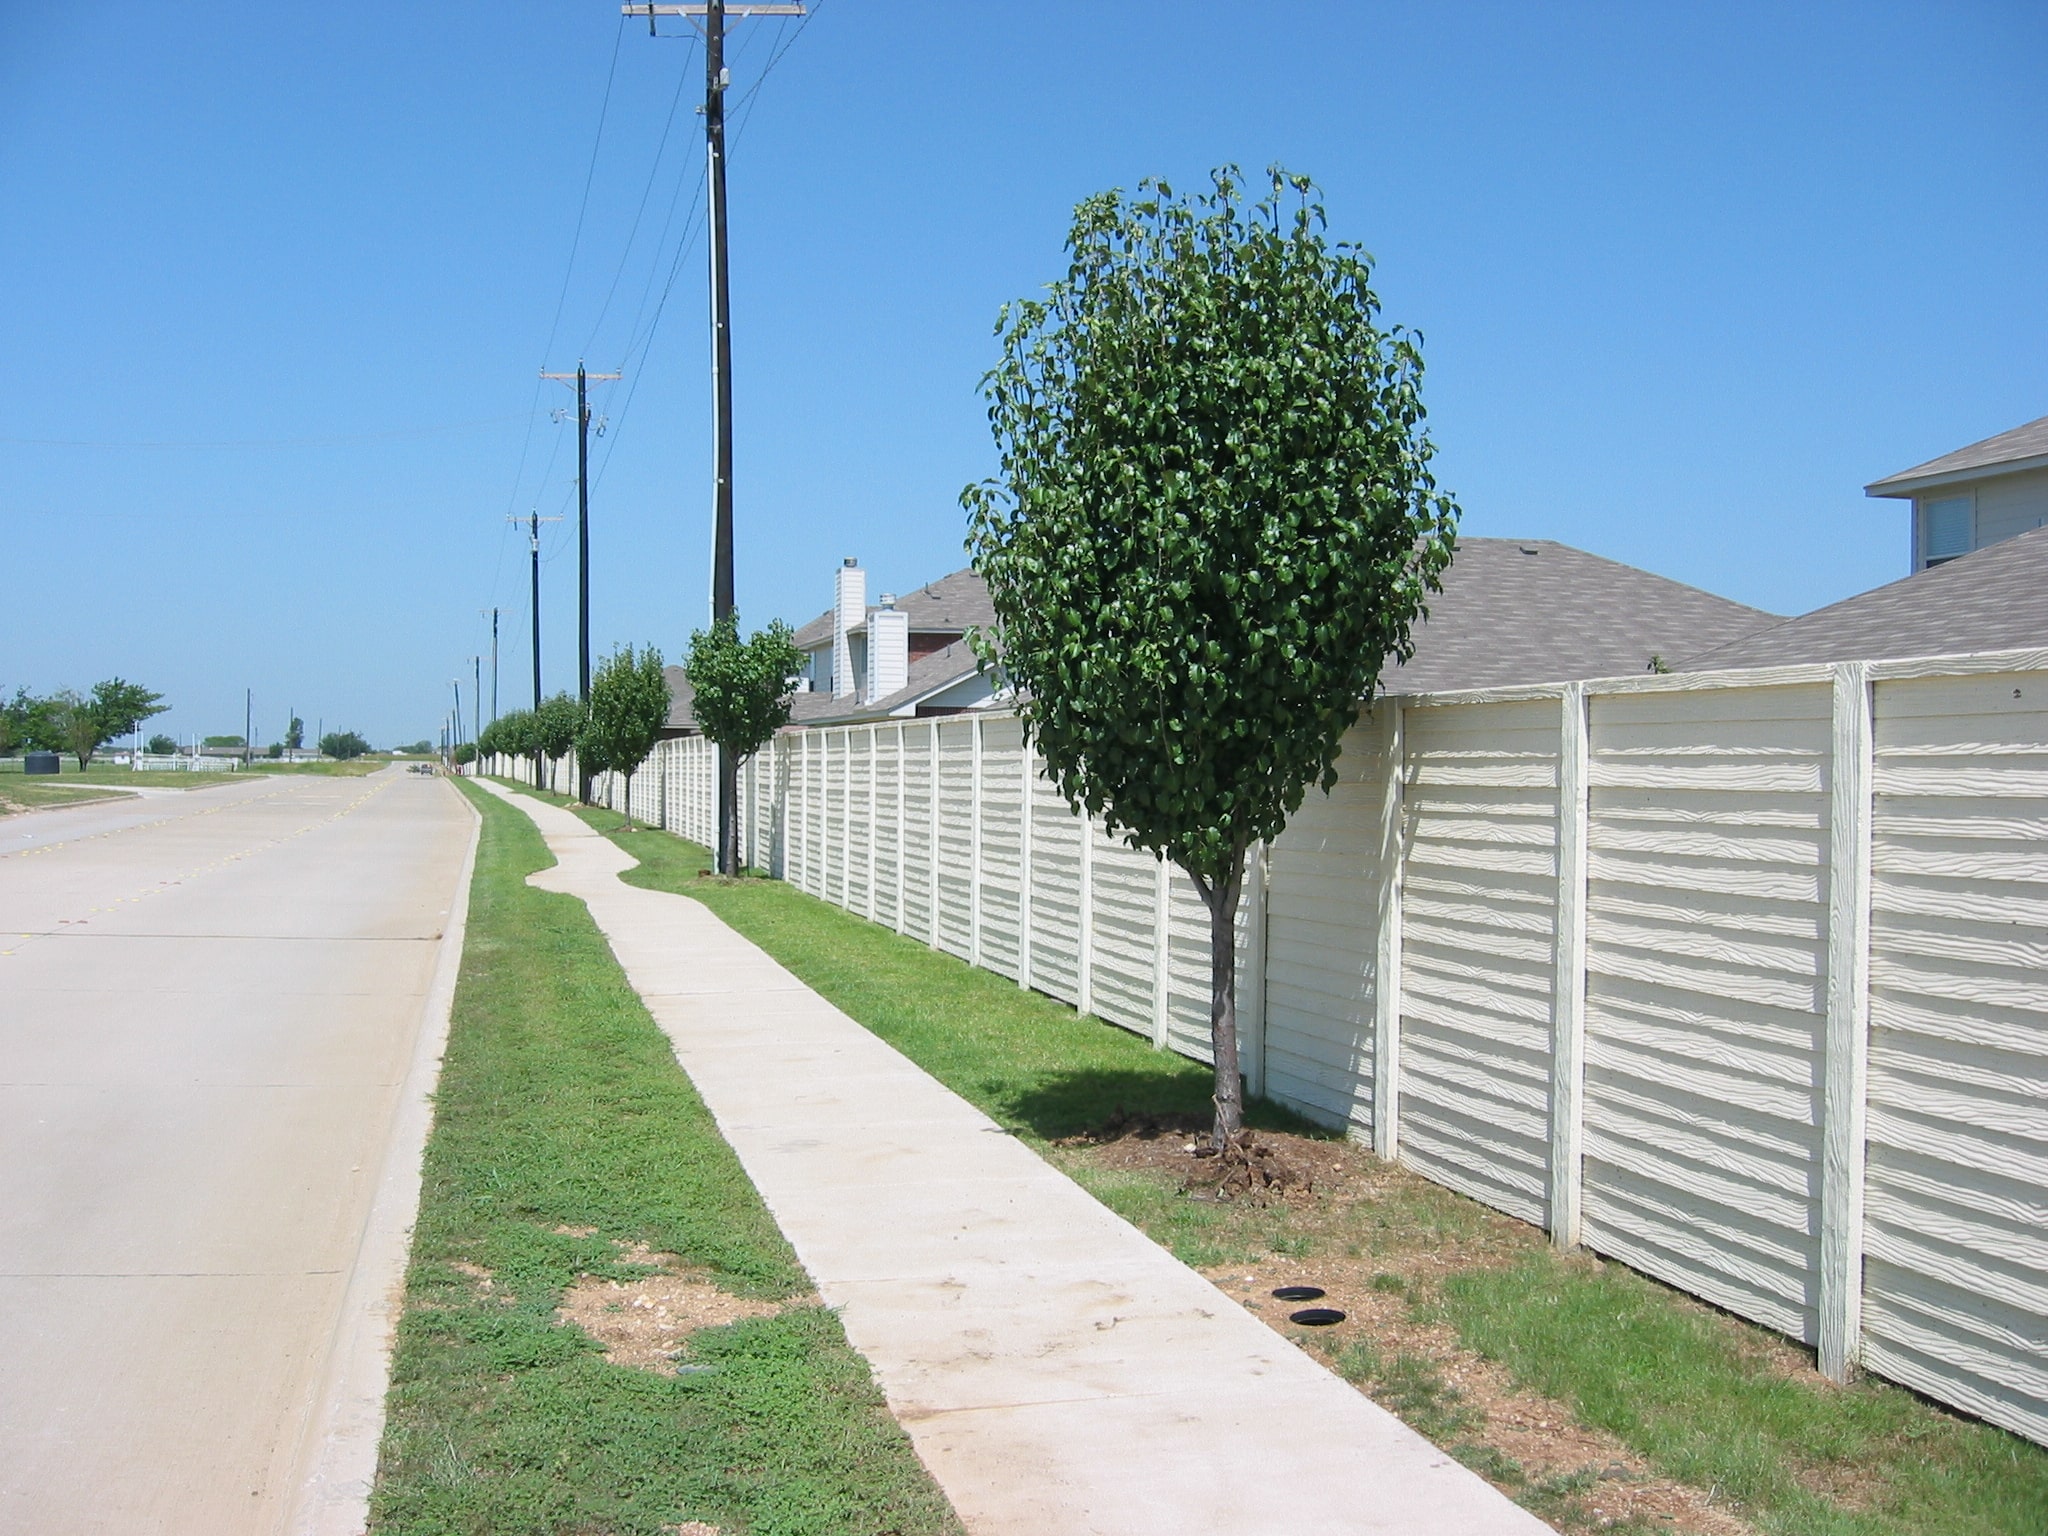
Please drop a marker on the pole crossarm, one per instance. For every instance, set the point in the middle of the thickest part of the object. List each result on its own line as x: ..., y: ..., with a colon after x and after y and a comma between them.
x: 570, y: 378
x: 736, y: 12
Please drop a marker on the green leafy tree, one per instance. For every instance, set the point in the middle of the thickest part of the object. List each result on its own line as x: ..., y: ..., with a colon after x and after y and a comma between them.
x: 17, y: 722
x: 223, y: 741
x: 629, y: 702
x: 343, y: 745
x: 1214, y: 521
x: 420, y: 748
x: 114, y: 708
x: 464, y: 753
x: 162, y: 746
x: 295, y: 734
x: 511, y: 735
x: 555, y: 727
x: 741, y: 692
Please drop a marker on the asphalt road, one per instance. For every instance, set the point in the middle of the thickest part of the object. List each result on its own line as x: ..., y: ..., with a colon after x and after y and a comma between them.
x: 208, y: 1008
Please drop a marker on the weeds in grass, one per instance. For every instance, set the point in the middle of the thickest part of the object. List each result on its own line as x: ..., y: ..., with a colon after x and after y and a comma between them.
x: 564, y: 1129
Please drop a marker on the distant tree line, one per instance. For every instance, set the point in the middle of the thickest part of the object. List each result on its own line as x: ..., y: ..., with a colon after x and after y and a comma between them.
x: 66, y: 721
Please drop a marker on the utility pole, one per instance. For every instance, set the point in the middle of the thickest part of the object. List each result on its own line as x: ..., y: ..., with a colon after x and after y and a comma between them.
x: 494, y: 665
x: 476, y: 698
x: 248, y: 724
x: 715, y: 14
x: 582, y: 379
x: 456, y: 683
x: 533, y: 522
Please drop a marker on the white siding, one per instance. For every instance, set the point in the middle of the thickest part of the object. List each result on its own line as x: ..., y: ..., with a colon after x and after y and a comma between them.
x: 1956, y: 1218
x: 2011, y: 504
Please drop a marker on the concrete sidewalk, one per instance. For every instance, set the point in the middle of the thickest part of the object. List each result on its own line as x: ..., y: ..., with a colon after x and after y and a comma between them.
x: 1056, y: 1370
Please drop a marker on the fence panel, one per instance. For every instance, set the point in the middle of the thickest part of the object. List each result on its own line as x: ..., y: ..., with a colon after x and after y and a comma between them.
x: 1324, y: 908
x: 1056, y: 834
x: 920, y: 818
x: 1124, y: 903
x: 1956, y: 1221
x: 860, y: 838
x: 1001, y: 868
x: 888, y: 828
x: 955, y: 838
x: 1477, y: 927
x: 1706, y: 948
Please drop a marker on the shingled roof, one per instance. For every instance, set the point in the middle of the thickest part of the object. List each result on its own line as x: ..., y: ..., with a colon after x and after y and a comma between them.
x: 2008, y: 453
x: 1993, y: 599
x: 1536, y: 611
x: 951, y: 605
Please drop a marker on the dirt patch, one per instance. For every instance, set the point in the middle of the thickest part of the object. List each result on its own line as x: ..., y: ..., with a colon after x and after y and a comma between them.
x: 1379, y: 1241
x: 1532, y: 1447
x: 646, y: 1323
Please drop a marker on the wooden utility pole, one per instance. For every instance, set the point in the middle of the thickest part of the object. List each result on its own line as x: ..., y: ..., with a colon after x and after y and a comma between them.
x: 494, y: 666
x: 582, y: 379
x: 533, y: 522
x: 715, y: 14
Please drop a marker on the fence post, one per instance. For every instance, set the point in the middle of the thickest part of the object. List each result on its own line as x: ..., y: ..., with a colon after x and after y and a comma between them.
x: 1162, y: 956
x: 974, y: 831
x: 1251, y: 1033
x: 937, y: 800
x: 874, y: 742
x: 1024, y: 872
x: 1568, y: 978
x: 902, y: 835
x: 1386, y: 1031
x: 1084, y: 943
x: 1846, y: 1060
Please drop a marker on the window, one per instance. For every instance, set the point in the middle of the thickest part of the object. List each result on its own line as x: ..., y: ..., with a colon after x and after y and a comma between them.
x: 1947, y: 528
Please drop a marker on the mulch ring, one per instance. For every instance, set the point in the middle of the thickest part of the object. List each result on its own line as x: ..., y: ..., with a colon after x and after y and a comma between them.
x: 1262, y: 1167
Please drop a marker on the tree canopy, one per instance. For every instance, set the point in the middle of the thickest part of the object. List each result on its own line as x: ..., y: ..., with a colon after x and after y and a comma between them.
x: 555, y: 725
x: 740, y: 697
x: 1214, y: 522
x: 629, y: 703
x: 67, y: 722
x: 343, y: 745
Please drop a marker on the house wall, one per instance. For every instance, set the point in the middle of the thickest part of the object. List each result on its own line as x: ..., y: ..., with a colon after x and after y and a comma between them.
x: 1739, y: 978
x: 2004, y: 506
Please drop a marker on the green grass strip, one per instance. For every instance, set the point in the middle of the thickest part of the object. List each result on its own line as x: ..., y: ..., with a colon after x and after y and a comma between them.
x: 1692, y: 1391
x: 561, y: 1106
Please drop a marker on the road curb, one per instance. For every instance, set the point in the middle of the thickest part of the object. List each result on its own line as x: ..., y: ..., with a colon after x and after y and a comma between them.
x: 337, y: 1461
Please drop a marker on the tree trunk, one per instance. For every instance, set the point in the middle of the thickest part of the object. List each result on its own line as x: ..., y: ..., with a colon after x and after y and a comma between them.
x: 1221, y: 899
x: 629, y: 802
x: 728, y: 813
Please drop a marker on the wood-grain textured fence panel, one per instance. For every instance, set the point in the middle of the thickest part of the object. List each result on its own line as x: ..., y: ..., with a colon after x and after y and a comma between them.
x: 1956, y: 1204
x: 955, y: 838
x: 1706, y: 992
x: 1322, y: 925
x: 1001, y: 867
x: 1478, y: 922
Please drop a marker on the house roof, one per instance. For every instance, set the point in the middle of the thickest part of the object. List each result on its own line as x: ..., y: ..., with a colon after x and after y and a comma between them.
x: 1536, y: 611
x: 928, y: 675
x: 1989, y: 600
x: 951, y: 605
x: 2008, y: 453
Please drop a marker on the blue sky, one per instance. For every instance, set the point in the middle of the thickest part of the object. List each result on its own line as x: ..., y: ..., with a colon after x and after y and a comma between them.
x: 277, y: 281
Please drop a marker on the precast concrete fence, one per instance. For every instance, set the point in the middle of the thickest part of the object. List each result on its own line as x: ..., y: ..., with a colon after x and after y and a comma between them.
x: 1739, y: 978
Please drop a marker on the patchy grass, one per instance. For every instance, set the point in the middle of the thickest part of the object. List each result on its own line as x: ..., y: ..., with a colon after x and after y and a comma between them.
x: 565, y: 1140
x: 1728, y: 1421
x: 25, y: 794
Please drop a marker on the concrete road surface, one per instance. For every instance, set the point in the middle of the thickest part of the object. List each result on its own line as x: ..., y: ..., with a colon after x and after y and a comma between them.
x: 215, y: 1014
